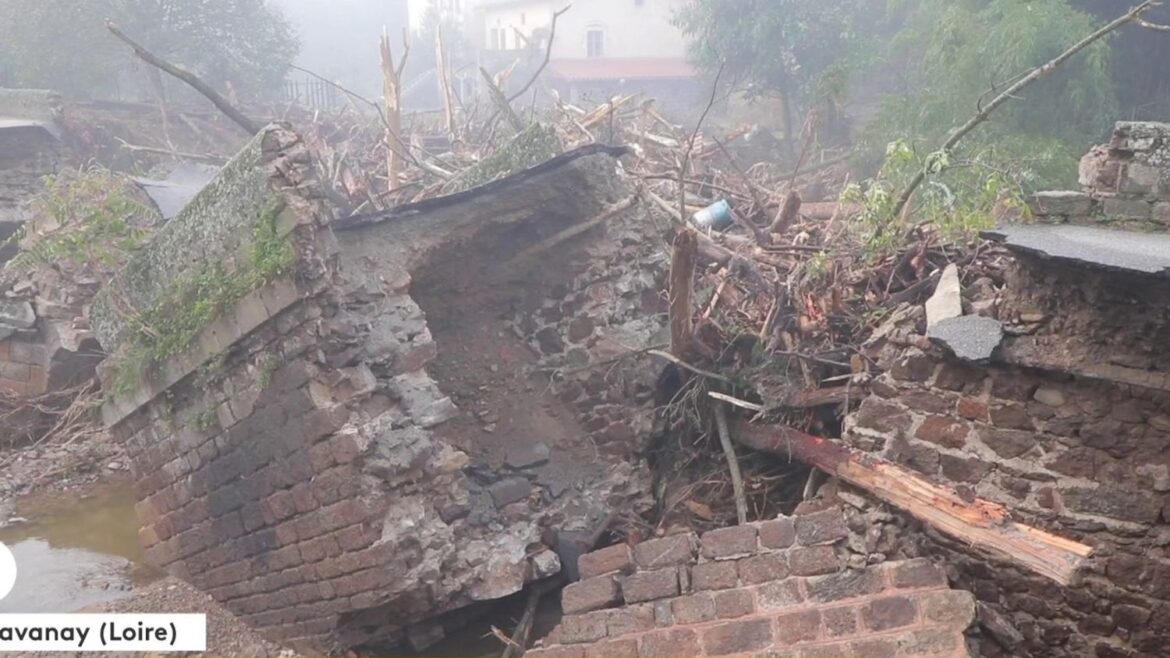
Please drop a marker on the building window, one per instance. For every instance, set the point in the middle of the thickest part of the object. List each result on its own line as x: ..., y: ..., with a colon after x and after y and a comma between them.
x: 494, y: 39
x: 595, y: 43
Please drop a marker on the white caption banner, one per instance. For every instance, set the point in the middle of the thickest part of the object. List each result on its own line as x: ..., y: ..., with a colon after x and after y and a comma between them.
x: 102, y: 632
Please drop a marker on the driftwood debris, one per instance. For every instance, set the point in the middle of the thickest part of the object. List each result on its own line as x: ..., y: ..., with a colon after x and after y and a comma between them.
x: 980, y: 523
x: 392, y: 92
x: 682, y: 276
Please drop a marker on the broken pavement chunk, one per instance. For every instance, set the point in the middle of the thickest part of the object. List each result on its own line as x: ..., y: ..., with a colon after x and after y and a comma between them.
x: 947, y: 300
x: 970, y: 337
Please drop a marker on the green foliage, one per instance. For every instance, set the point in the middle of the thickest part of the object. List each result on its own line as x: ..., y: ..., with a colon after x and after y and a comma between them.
x: 64, y: 45
x: 960, y: 198
x: 536, y: 144
x: 206, y: 419
x: 782, y: 46
x: 956, y: 56
x: 88, y: 219
x: 193, y: 302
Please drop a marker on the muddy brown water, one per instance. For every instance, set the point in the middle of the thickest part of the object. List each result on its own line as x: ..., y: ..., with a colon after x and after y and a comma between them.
x: 73, y: 550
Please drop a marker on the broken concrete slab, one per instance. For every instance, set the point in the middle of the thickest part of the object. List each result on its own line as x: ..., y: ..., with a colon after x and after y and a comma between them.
x: 947, y: 300
x: 970, y: 337
x: 1090, y: 246
x: 171, y: 194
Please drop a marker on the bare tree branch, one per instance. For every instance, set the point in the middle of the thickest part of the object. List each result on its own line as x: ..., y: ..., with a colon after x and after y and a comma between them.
x: 1011, y: 92
x: 190, y: 78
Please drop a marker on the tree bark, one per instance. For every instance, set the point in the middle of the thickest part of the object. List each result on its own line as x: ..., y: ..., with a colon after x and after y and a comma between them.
x: 982, y: 524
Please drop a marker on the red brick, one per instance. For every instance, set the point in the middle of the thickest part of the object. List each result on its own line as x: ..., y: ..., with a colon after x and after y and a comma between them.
x: 714, y: 575
x: 665, y: 552
x: 973, y: 409
x: 732, y: 542
x: 591, y: 594
x: 835, y: 650
x: 670, y: 643
x: 943, y: 431
x: 737, y: 637
x: 763, y: 568
x: 813, y: 561
x: 650, y: 585
x: 733, y: 603
x: 802, y: 626
x: 614, y: 558
x: 889, y: 612
x: 579, y: 629
x: 818, y: 528
x: 778, y: 533
x: 917, y: 574
x: 627, y: 648
x: 693, y: 609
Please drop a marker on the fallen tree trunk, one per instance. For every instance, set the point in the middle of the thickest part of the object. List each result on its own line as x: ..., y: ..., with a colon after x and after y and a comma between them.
x: 980, y: 523
x: 252, y: 127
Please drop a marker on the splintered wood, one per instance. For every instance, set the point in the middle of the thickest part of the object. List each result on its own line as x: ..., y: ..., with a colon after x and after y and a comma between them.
x: 980, y: 523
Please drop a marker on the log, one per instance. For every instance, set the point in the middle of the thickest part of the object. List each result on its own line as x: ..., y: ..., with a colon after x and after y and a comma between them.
x: 983, y: 524
x: 682, y: 275
x: 252, y: 127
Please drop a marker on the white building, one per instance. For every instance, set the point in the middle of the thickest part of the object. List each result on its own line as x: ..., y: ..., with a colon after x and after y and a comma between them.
x: 601, y: 47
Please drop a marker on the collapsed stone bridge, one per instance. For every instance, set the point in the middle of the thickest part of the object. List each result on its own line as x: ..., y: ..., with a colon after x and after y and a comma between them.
x: 362, y: 436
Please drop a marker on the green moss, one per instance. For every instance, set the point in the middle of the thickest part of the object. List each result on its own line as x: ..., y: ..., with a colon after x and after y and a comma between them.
x: 195, y: 300
x: 536, y: 144
x: 206, y: 420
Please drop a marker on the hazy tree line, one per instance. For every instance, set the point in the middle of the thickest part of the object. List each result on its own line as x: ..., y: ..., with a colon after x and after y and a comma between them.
x: 918, y: 68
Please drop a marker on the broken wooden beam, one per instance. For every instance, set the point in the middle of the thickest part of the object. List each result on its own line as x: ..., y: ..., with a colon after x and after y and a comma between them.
x: 983, y: 524
x: 682, y: 276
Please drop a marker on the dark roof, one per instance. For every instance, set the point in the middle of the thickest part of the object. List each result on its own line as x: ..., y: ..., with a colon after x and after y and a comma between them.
x: 1090, y: 246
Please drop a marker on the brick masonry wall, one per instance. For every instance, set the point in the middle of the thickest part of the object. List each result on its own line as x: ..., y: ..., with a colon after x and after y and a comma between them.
x: 1085, y: 458
x: 24, y: 366
x: 779, y: 588
x: 295, y: 467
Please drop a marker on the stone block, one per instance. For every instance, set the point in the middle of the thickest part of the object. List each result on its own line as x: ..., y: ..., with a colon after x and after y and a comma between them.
x: 650, y: 585
x: 693, y: 609
x: 818, y: 528
x: 632, y: 619
x: 733, y: 603
x: 727, y: 543
x: 840, y: 621
x: 778, y: 533
x: 778, y: 595
x: 794, y: 627
x: 943, y: 431
x: 616, y: 558
x: 665, y: 552
x: 714, y: 575
x: 669, y: 643
x: 624, y: 648
x: 737, y: 637
x: 1119, y: 208
x: 948, y: 607
x: 930, y: 641
x: 579, y: 629
x: 763, y: 568
x: 916, y: 574
x: 813, y: 561
x: 1066, y: 203
x: 509, y: 491
x: 849, y: 584
x: 889, y: 612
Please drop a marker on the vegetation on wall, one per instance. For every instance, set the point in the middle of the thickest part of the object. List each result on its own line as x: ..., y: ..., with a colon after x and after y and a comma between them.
x: 196, y: 299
